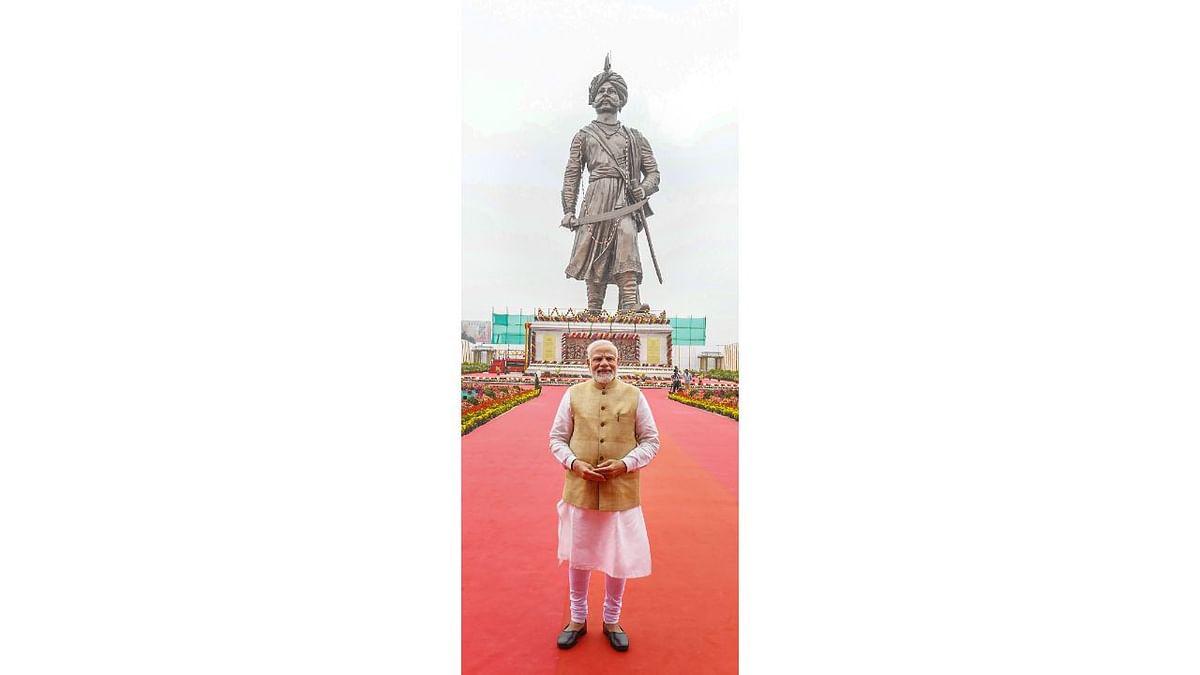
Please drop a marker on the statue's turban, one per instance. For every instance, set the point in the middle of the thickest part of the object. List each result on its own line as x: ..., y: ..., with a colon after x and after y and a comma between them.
x: 609, y: 76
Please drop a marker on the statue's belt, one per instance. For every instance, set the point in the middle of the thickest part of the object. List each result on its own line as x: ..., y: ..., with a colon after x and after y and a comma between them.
x: 611, y: 215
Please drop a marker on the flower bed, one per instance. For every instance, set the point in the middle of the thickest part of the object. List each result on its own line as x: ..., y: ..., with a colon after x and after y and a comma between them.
x: 558, y: 379
x: 646, y: 382
x: 561, y: 380
x: 477, y: 395
x: 485, y: 403
x: 717, y: 401
x: 483, y: 379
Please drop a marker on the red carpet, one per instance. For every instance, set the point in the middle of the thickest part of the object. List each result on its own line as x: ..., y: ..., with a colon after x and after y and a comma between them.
x: 681, y: 619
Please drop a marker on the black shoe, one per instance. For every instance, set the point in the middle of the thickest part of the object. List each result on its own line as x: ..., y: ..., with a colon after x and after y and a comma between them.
x: 619, y: 641
x: 568, y: 638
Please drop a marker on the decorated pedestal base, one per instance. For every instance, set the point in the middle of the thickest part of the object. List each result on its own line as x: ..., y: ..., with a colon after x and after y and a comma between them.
x: 556, y: 342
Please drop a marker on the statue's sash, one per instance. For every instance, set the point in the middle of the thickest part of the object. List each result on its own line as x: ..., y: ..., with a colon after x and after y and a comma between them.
x: 625, y: 171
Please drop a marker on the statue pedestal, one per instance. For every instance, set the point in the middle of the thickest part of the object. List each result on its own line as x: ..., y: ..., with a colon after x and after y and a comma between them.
x: 557, y: 343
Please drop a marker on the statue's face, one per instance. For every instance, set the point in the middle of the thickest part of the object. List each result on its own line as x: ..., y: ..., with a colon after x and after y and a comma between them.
x: 608, y: 99
x: 603, y: 364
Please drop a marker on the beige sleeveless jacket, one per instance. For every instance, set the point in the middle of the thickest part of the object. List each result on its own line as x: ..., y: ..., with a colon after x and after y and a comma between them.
x: 603, y: 429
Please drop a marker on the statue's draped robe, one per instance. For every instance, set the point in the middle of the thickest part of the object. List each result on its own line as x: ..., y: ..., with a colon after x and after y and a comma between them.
x: 609, y: 247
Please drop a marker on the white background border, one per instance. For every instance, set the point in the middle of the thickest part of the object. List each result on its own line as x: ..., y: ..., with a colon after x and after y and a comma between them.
x: 223, y: 447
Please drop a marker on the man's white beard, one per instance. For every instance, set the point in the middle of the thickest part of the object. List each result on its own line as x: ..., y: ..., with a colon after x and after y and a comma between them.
x: 604, y: 378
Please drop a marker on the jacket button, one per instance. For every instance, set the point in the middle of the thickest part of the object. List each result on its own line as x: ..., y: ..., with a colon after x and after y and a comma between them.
x: 601, y: 440
x: 603, y: 408
x: 602, y: 424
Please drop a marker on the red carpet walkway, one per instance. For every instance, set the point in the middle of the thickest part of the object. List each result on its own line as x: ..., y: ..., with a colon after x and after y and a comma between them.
x: 681, y: 619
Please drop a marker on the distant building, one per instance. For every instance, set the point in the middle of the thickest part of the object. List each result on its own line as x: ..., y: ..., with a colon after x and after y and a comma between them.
x: 731, y: 356
x: 711, y: 360
x: 479, y: 332
x: 466, y: 351
x: 689, y: 356
x: 486, y: 353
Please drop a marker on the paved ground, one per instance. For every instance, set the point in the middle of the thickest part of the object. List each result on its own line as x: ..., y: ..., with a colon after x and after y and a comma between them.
x: 682, y: 618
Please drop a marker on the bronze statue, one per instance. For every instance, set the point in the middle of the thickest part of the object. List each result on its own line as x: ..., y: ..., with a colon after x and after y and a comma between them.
x: 622, y: 173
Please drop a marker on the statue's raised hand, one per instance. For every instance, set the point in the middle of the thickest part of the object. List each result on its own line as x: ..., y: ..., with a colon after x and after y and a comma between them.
x: 568, y: 221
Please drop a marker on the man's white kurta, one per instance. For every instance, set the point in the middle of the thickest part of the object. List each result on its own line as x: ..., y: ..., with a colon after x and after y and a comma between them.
x: 613, y: 542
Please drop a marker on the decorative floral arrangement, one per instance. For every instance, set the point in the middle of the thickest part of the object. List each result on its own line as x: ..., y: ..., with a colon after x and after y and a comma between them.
x: 636, y: 379
x: 603, y: 336
x: 556, y: 379
x: 476, y: 414
x: 722, y: 402
x: 475, y: 394
x: 601, y: 316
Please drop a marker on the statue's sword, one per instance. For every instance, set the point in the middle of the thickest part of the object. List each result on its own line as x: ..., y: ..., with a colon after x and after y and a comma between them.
x: 611, y: 215
x: 650, y: 243
x: 620, y: 213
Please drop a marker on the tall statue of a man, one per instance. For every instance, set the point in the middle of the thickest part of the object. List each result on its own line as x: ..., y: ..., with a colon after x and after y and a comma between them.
x: 622, y: 173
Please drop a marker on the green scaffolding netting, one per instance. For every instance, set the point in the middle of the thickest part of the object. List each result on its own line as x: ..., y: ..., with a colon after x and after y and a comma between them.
x: 688, y: 330
x: 509, y: 329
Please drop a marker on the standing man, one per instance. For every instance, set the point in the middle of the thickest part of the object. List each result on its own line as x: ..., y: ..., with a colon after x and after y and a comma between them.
x: 622, y: 172
x: 603, y: 435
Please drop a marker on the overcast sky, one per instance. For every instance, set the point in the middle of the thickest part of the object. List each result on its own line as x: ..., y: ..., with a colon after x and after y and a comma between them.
x: 525, y: 74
